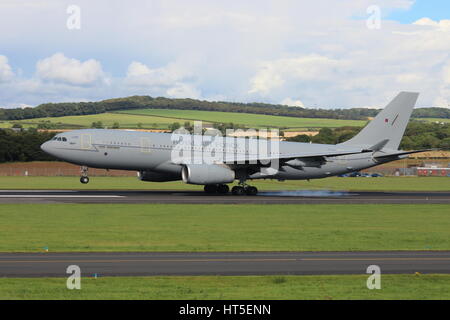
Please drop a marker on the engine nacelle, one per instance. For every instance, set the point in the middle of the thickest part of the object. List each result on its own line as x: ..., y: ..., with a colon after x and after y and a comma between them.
x: 204, y: 174
x: 157, y: 176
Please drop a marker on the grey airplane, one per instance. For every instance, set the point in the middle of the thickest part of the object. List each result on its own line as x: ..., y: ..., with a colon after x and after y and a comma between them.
x: 214, y: 161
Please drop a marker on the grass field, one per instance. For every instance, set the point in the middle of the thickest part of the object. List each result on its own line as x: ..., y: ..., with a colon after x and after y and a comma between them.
x: 124, y: 120
x: 332, y: 184
x: 420, y: 287
x: 125, y: 227
x: 250, y: 120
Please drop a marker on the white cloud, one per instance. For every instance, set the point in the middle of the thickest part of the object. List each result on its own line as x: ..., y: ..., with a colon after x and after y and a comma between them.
x: 266, y: 79
x: 6, y: 72
x: 173, y: 80
x: 443, y: 100
x: 443, y: 25
x: 138, y: 74
x: 292, y: 102
x: 407, y: 78
x: 137, y: 69
x: 274, y: 74
x: 59, y: 68
x: 446, y: 74
x: 263, y: 50
x: 183, y: 90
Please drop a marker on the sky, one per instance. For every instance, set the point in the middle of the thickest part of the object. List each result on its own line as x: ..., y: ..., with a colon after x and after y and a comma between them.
x: 322, y: 53
x: 434, y: 9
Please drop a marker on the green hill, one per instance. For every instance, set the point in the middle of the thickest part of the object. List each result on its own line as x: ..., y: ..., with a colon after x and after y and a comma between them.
x: 245, y: 119
x: 164, y: 118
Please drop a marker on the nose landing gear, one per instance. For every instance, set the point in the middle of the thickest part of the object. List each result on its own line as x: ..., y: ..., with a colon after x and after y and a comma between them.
x: 84, y: 175
x: 84, y: 180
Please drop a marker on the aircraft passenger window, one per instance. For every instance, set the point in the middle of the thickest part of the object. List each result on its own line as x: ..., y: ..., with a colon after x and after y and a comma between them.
x: 59, y: 139
x: 64, y: 139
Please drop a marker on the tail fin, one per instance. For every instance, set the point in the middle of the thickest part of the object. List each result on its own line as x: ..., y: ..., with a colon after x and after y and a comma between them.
x: 389, y: 124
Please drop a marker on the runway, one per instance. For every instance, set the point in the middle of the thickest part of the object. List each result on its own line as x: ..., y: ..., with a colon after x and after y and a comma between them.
x: 199, y: 197
x: 242, y: 263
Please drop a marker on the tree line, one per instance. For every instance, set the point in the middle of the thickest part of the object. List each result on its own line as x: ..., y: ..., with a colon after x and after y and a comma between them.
x: 140, y: 102
x: 23, y: 145
x: 418, y: 135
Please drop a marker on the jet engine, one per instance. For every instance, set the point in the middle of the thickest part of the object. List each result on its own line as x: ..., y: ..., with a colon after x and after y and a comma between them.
x: 157, y: 176
x: 205, y: 174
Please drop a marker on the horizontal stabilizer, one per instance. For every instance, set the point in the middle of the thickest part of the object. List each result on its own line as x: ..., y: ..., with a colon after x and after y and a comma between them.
x: 403, y: 153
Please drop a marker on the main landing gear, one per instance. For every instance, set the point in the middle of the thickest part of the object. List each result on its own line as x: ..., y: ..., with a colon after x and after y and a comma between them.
x: 240, y: 190
x: 84, y: 175
x: 244, y: 190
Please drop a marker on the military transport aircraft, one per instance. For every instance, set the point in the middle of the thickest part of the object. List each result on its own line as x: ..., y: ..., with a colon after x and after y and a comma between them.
x: 215, y: 161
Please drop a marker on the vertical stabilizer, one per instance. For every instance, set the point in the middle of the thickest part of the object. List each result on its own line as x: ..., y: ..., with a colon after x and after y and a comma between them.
x: 390, y: 124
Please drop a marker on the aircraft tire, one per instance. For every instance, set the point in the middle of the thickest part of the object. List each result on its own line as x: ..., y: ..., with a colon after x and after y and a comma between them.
x: 238, y: 191
x: 84, y: 180
x: 251, y: 191
x: 223, y: 189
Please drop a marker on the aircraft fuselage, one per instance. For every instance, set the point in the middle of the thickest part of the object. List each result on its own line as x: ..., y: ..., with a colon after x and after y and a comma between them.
x: 141, y: 151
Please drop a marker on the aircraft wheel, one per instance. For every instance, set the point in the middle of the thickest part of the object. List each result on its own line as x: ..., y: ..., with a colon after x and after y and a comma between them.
x: 251, y: 191
x: 210, y: 188
x: 238, y: 191
x: 223, y: 189
x: 84, y: 180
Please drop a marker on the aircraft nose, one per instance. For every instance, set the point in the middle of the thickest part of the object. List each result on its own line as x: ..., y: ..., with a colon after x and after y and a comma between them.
x: 45, y: 147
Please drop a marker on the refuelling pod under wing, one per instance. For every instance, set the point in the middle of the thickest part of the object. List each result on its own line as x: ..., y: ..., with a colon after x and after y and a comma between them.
x: 300, y: 163
x: 203, y: 174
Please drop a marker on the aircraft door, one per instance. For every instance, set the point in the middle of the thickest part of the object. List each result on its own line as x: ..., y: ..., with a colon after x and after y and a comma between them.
x: 145, y: 145
x: 86, y: 141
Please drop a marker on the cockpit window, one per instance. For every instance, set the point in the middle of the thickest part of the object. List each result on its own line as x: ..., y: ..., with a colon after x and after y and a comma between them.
x: 59, y: 138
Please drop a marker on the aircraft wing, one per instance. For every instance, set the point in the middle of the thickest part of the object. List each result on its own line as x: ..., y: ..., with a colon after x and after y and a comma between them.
x: 233, y: 159
x: 236, y: 159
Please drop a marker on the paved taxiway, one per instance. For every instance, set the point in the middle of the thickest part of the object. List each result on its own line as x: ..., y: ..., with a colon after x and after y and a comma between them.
x: 199, y: 197
x: 241, y: 263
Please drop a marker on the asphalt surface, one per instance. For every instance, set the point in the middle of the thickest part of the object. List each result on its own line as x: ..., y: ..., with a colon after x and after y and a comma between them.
x: 199, y: 197
x: 252, y: 263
